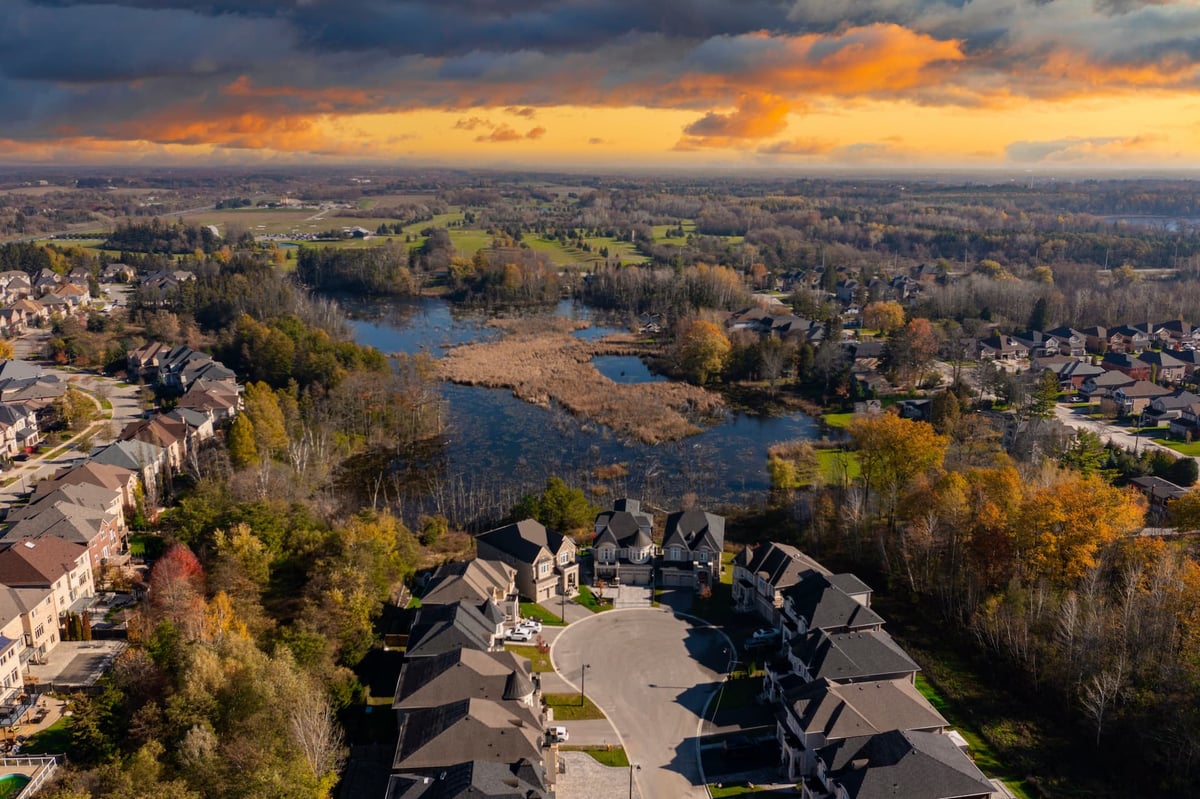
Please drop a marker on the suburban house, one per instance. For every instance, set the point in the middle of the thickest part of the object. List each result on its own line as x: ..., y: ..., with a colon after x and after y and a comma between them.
x: 1102, y: 386
x: 12, y: 645
x: 169, y: 435
x: 96, y: 497
x: 199, y: 425
x: 466, y: 674
x: 1162, y: 410
x: 220, y: 401
x: 1180, y: 334
x: 1159, y: 494
x: 122, y: 480
x: 545, y: 561
x: 147, y: 460
x: 1127, y: 339
x: 118, y: 273
x: 1128, y: 365
x: 437, y: 629
x: 761, y: 574
x: 1187, y: 426
x: 469, y: 729
x: 822, y: 713
x: 845, y: 657
x: 1070, y: 341
x: 475, y: 582
x: 1131, y: 400
x: 623, y: 550
x: 18, y: 429
x: 829, y: 602
x: 49, y: 563
x: 1073, y: 374
x: 38, y: 618
x: 691, y: 549
x: 901, y: 763
x: 100, y: 532
x: 1002, y: 348
x: 1164, y: 367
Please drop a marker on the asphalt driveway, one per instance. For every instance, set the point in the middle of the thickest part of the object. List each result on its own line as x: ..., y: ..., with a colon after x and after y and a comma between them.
x: 652, y: 673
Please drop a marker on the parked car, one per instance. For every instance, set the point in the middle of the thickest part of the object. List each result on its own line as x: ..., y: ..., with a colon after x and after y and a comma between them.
x: 753, y: 644
x: 533, y: 625
x: 766, y: 634
x: 557, y: 735
x: 518, y: 634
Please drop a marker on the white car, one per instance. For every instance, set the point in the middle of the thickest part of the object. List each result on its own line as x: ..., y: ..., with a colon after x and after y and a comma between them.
x: 518, y: 634
x: 557, y: 735
x: 533, y: 625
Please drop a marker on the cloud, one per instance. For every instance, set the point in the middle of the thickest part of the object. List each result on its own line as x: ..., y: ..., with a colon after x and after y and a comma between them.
x: 805, y: 147
x: 1080, y: 149
x: 471, y: 123
x: 595, y: 140
x: 504, y: 133
x: 527, y: 111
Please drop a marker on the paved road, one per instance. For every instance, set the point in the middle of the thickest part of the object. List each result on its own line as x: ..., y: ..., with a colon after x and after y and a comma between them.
x: 127, y: 406
x: 652, y: 673
x: 1107, y: 432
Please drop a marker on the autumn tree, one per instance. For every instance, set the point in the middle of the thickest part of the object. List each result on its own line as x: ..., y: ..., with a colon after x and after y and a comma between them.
x: 892, y: 452
x: 702, y: 350
x: 883, y: 315
x: 243, y: 451
x: 177, y: 589
x: 911, y: 349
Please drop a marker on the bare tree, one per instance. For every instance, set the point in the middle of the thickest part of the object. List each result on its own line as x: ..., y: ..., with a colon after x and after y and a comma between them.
x: 315, y: 730
x: 1100, y: 693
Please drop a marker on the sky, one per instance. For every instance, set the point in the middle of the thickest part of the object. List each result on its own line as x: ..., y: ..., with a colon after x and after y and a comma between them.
x: 1017, y: 84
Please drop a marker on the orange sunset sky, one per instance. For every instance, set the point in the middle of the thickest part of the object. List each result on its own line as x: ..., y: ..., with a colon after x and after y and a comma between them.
x: 678, y: 83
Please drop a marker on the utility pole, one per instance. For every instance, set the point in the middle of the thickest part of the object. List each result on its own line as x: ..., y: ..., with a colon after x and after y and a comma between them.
x: 583, y: 683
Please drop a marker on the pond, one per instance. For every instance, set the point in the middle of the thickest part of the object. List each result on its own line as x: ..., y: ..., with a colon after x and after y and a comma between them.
x: 493, y: 439
x: 625, y: 369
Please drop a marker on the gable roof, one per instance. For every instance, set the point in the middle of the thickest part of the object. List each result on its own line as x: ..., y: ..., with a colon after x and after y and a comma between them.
x: 474, y: 581
x: 860, y: 709
x: 476, y: 729
x: 852, y: 655
x: 38, y: 562
x: 88, y: 473
x: 462, y: 674
x: 904, y: 765
x: 1143, y: 388
x: 1112, y: 379
x: 824, y: 606
x: 63, y: 520
x: 523, y: 540
x: 780, y: 565
x: 623, y: 528
x: 134, y: 455
x: 437, y: 629
x: 695, y: 528
x: 1160, y: 359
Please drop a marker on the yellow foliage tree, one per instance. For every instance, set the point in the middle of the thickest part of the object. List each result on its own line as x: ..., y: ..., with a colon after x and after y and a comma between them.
x: 892, y: 452
x: 884, y: 316
x: 703, y: 350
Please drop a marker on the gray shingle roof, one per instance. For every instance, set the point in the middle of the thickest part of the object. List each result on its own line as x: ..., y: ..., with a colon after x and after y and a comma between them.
x: 691, y: 528
x: 475, y: 779
x: 474, y: 729
x: 904, y: 765
x: 853, y: 656
x: 823, y: 606
x: 866, y: 708
x: 461, y: 674
x: 441, y: 628
x: 781, y: 565
x: 523, y: 539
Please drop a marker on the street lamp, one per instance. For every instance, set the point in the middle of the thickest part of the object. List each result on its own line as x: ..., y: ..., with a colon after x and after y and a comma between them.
x: 632, y: 766
x: 583, y: 683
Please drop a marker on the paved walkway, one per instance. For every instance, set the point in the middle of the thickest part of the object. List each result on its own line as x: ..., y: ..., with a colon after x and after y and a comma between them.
x: 585, y: 778
x: 634, y: 596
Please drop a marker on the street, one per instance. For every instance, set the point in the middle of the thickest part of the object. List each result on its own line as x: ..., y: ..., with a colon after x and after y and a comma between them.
x: 652, y: 673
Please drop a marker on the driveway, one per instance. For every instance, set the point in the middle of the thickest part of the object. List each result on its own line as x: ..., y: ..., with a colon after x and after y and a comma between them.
x: 652, y: 673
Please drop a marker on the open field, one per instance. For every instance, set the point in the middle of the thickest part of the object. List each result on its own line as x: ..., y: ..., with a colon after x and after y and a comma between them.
x: 469, y: 241
x: 542, y: 363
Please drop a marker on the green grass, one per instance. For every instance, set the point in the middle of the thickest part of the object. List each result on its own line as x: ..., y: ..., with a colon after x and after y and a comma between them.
x: 591, y: 602
x: 981, y: 752
x: 468, y: 242
x: 144, y: 545
x: 539, y: 661
x: 53, y: 740
x: 532, y: 610
x: 604, y: 755
x: 718, y: 608
x: 413, y: 604
x: 1182, y: 447
x: 727, y: 567
x: 835, y: 463
x: 567, y: 707
x: 837, y: 421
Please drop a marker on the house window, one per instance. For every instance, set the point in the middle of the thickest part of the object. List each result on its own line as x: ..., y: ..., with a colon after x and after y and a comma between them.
x: 702, y: 556
x: 564, y: 558
x: 676, y: 554
x: 37, y: 631
x: 544, y: 568
x: 12, y: 678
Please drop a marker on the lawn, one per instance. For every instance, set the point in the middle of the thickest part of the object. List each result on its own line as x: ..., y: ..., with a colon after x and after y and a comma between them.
x: 838, y: 463
x: 468, y: 242
x: 605, y: 755
x: 981, y: 752
x: 532, y: 610
x: 567, y: 707
x: 591, y: 602
x: 540, y: 661
x: 54, y: 740
x: 727, y: 567
x: 837, y: 421
x: 145, y: 545
x: 1182, y: 447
